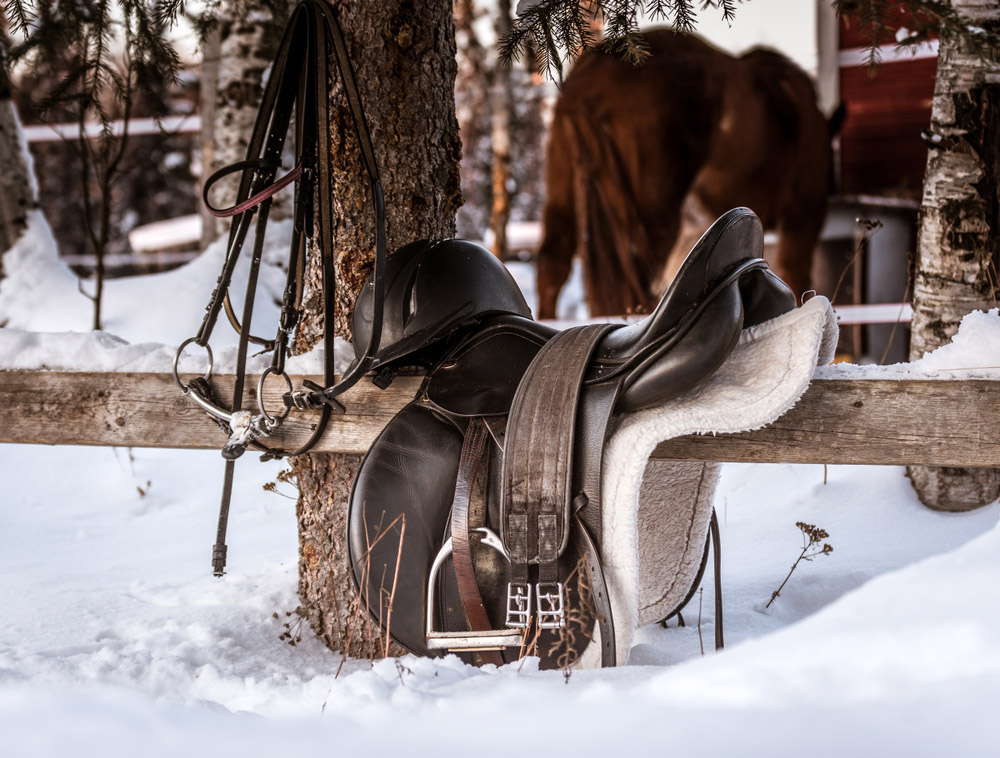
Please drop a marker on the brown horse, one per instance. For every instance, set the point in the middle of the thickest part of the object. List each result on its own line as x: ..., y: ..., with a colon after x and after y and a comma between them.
x: 691, y: 128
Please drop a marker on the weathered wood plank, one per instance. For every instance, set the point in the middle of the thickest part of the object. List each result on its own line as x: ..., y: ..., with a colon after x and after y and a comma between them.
x: 941, y: 423
x: 148, y: 410
x: 887, y: 422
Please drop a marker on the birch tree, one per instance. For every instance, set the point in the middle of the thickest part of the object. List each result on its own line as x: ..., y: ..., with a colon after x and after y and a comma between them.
x: 18, y: 193
x: 238, y: 49
x: 958, y: 245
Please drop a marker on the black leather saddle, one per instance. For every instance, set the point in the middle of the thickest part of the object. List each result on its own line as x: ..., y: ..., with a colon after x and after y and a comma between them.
x: 475, y: 519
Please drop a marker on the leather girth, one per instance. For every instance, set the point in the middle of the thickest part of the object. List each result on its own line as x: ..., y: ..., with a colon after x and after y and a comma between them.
x: 538, y: 453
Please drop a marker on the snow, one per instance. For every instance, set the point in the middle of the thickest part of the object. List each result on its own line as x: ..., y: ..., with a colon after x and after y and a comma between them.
x: 973, y: 353
x: 47, y: 318
x: 161, y: 235
x: 115, y: 638
x: 27, y: 159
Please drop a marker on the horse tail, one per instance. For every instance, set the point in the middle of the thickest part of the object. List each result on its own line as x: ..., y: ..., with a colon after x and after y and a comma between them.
x: 611, y: 239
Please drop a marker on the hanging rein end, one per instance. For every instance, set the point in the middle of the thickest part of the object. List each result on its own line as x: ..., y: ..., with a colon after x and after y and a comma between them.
x: 219, y: 559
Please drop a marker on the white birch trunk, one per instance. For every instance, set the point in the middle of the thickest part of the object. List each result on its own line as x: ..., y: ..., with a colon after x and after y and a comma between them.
x: 246, y: 47
x: 18, y: 188
x: 957, y: 247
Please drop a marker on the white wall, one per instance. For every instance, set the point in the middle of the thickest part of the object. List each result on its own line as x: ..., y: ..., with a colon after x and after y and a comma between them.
x: 788, y: 26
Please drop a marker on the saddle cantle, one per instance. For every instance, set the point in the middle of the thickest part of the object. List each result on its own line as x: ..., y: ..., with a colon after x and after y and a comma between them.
x: 495, y: 466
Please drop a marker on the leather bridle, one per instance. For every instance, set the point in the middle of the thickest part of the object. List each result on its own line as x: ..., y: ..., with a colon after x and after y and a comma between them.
x: 298, y: 84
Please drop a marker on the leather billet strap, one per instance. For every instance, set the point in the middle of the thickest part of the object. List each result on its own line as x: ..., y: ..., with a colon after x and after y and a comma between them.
x: 599, y: 594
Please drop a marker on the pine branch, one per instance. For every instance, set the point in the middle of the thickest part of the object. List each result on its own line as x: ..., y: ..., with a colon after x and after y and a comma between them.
x: 561, y: 29
x: 19, y: 18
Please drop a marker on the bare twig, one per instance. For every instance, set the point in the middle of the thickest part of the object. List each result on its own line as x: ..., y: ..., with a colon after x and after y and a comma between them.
x: 812, y: 536
x: 701, y: 642
x: 563, y: 648
x: 870, y: 227
x: 395, y: 578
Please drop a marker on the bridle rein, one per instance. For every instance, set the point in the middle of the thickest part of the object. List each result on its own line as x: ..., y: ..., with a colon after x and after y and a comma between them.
x: 298, y: 84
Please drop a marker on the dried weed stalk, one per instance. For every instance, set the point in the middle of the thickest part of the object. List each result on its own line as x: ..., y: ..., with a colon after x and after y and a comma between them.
x: 292, y: 633
x: 359, y: 604
x: 286, y: 476
x: 812, y: 536
x: 579, y: 622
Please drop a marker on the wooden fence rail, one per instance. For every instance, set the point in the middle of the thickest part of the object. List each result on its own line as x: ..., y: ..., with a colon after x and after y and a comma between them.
x: 940, y: 423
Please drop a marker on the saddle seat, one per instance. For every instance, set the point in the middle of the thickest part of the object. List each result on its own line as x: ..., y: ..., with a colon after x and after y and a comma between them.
x: 506, y: 372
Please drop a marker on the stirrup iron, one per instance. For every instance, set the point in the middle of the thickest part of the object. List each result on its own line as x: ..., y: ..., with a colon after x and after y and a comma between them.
x: 491, y: 639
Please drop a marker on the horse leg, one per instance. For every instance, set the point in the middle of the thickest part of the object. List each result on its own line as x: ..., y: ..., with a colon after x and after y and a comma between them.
x: 559, y: 238
x: 796, y: 246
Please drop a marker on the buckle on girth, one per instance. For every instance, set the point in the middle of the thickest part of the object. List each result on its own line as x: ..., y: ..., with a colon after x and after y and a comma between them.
x: 518, y: 605
x: 551, y: 605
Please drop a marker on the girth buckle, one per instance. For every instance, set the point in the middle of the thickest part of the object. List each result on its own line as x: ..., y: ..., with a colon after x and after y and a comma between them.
x: 518, y: 605
x: 551, y: 605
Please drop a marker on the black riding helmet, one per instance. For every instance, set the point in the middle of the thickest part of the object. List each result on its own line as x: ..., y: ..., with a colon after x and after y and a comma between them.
x: 433, y: 288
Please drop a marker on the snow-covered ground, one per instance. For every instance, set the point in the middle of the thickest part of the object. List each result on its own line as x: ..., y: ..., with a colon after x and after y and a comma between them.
x: 115, y: 638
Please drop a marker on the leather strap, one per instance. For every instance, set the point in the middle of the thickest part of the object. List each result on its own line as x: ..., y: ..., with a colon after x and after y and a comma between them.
x: 257, y: 199
x: 299, y: 81
x: 538, y: 452
x: 599, y: 593
x: 713, y: 526
x: 473, y: 449
x: 592, y: 422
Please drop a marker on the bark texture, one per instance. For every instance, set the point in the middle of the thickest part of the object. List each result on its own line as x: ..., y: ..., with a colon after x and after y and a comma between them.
x: 958, y: 247
x: 211, y: 47
x: 404, y: 59
x: 18, y: 190
x: 503, y: 101
x: 17, y: 185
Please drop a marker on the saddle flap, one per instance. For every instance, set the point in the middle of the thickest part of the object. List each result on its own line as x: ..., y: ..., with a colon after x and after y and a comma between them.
x: 480, y: 376
x: 398, y: 514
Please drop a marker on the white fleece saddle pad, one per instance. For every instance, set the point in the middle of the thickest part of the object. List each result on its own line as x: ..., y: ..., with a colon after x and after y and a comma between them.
x: 656, y: 513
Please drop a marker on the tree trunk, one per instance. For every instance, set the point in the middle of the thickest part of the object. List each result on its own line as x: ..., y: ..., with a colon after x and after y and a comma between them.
x: 503, y: 103
x: 211, y: 53
x: 18, y: 189
x: 473, y: 109
x: 958, y: 248
x: 404, y: 59
x: 18, y: 193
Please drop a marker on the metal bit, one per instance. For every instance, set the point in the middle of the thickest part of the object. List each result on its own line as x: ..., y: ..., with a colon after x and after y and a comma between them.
x: 244, y: 432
